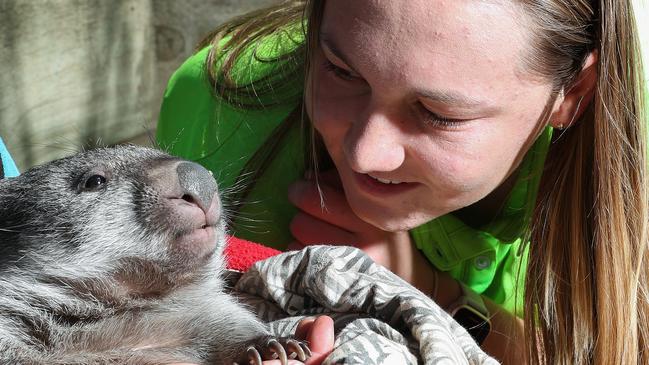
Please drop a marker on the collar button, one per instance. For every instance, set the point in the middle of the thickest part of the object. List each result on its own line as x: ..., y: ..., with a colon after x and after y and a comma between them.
x: 482, y: 262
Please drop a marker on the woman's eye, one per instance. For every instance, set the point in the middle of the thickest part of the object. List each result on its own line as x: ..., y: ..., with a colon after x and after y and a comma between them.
x: 339, y: 72
x: 436, y: 120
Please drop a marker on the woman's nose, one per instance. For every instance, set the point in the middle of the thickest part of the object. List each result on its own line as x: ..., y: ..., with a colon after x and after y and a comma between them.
x: 374, y: 144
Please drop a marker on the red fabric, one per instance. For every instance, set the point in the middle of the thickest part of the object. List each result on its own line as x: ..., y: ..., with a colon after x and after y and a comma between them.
x: 241, y: 254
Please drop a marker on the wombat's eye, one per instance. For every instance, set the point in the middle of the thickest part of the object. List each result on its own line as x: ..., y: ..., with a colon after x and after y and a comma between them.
x: 95, y: 182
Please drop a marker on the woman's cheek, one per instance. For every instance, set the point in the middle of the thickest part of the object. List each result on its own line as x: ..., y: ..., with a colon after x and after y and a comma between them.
x: 332, y: 114
x: 456, y: 175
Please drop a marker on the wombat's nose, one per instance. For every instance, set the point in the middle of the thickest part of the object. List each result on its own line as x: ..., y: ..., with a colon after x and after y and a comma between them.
x: 197, y: 183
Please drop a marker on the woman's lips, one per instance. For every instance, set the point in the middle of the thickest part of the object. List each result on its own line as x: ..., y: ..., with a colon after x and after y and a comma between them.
x: 382, y: 187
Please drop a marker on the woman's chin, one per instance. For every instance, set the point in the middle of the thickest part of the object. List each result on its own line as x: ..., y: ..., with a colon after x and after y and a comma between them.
x: 394, y: 222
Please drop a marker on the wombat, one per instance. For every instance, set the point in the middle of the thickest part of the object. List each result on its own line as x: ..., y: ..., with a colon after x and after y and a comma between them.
x: 113, y: 256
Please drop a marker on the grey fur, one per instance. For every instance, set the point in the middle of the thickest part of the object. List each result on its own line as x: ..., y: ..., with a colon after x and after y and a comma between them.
x: 100, y: 275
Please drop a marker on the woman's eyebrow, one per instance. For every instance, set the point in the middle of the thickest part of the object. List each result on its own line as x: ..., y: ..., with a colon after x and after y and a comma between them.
x: 458, y: 100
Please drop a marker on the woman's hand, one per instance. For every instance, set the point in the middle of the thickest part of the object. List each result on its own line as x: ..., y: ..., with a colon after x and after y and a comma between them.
x: 337, y: 224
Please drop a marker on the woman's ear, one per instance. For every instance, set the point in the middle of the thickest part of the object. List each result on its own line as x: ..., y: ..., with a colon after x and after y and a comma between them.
x: 572, y: 103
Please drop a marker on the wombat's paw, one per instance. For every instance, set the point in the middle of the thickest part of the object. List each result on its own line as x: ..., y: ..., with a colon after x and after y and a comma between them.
x: 281, y: 349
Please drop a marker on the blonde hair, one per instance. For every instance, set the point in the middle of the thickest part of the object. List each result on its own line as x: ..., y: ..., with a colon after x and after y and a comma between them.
x: 586, y: 293
x: 587, y: 276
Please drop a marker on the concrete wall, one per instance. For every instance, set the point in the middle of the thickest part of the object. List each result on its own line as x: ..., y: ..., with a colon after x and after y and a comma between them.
x: 79, y: 73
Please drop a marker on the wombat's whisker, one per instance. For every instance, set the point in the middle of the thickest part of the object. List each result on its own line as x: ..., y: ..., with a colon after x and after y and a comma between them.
x: 240, y: 217
x: 231, y: 205
x: 9, y: 230
x: 235, y: 188
x: 248, y: 219
x: 253, y: 230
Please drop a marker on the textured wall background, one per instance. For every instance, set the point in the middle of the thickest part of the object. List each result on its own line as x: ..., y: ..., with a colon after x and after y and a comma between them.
x: 84, y: 72
x: 79, y: 73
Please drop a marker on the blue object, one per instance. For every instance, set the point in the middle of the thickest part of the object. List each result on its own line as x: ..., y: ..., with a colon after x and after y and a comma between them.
x: 8, y: 165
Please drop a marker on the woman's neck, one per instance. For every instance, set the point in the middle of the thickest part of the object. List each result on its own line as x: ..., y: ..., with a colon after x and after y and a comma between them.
x: 484, y: 211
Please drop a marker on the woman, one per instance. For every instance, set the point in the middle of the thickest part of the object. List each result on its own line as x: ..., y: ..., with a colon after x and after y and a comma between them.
x: 469, y: 146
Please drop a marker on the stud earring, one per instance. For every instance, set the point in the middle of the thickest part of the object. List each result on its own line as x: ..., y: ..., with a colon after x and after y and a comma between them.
x: 562, y: 126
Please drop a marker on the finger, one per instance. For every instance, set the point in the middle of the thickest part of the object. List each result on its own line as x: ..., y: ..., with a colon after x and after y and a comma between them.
x: 309, y: 230
x: 336, y: 210
x: 321, y: 335
x: 304, y: 327
x: 320, y: 339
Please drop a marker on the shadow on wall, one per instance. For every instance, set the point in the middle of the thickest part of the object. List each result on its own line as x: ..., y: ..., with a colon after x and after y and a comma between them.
x: 78, y: 74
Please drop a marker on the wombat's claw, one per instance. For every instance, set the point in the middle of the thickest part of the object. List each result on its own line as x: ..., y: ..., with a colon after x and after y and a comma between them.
x: 301, y: 350
x: 274, y: 350
x: 279, y: 350
x: 253, y: 356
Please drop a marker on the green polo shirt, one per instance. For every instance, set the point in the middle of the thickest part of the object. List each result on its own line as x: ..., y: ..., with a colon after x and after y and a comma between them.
x: 198, y: 126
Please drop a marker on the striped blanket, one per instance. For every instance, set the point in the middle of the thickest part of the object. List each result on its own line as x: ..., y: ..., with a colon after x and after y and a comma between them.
x: 379, y: 318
